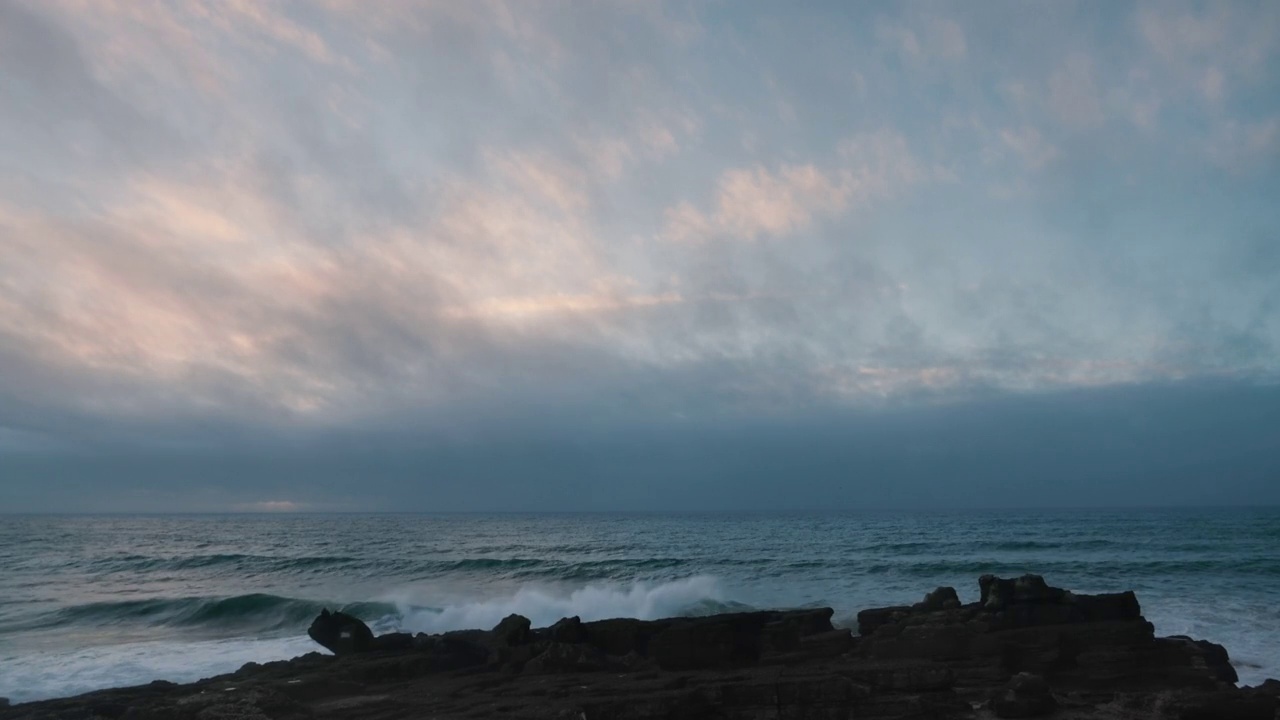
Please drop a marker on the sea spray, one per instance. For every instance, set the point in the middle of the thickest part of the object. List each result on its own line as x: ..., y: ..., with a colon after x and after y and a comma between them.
x: 57, y: 673
x: 545, y: 604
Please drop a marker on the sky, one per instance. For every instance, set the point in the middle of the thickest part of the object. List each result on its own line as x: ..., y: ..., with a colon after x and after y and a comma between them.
x: 635, y: 255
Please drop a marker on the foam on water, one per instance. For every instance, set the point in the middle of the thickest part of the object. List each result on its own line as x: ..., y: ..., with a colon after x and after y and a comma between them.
x: 544, y: 605
x: 47, y: 674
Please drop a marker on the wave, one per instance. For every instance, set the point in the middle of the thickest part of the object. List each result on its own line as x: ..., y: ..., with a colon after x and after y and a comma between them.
x: 60, y: 673
x: 263, y: 614
x: 510, y: 567
x: 256, y: 612
x: 700, y: 595
x: 230, y: 561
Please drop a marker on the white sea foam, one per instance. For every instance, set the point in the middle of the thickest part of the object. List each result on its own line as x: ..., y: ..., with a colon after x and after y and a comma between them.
x: 1250, y: 634
x: 544, y: 605
x: 48, y: 674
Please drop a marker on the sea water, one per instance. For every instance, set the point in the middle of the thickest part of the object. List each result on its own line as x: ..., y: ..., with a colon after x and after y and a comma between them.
x: 89, y: 602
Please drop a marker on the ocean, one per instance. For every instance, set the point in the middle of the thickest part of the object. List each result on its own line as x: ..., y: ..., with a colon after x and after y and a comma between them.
x: 89, y: 602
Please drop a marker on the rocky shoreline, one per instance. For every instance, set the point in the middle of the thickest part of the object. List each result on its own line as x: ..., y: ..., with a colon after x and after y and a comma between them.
x: 1024, y: 650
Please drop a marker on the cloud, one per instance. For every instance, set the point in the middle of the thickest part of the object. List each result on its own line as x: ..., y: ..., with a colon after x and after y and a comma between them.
x: 1242, y: 147
x: 251, y: 228
x: 1073, y: 97
x: 1029, y: 146
x: 754, y: 203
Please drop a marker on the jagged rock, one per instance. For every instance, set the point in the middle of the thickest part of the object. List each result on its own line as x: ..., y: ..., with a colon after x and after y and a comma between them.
x: 736, y: 639
x: 559, y: 657
x: 998, y: 593
x: 1229, y: 704
x: 392, y: 642
x: 873, y: 619
x: 944, y: 598
x: 832, y: 643
x: 1207, y: 655
x: 340, y: 633
x: 512, y: 630
x: 913, y: 677
x: 1026, y: 625
x: 567, y: 630
x: 620, y: 636
x: 1026, y: 696
x: 692, y: 645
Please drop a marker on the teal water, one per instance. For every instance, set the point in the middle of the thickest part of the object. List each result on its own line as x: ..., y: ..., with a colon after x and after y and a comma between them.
x: 97, y: 601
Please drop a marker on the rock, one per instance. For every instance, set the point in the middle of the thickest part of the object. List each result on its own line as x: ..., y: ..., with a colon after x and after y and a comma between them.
x: 735, y: 639
x: 944, y: 598
x: 1211, y: 656
x: 455, y: 651
x: 512, y: 630
x: 873, y: 619
x: 1226, y: 705
x: 559, y: 657
x: 912, y: 677
x: 998, y: 593
x: 832, y: 643
x: 340, y: 633
x: 1108, y: 607
x: 1269, y: 687
x: 4, y: 702
x: 1026, y: 696
x: 392, y: 642
x: 567, y: 630
x: 620, y: 636
x: 1026, y: 625
x: 692, y: 645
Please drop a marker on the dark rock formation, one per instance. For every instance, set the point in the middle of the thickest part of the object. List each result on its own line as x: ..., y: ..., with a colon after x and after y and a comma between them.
x: 1098, y: 642
x: 341, y: 634
x: 1026, y: 696
x: 567, y: 630
x: 513, y: 630
x: 1024, y: 649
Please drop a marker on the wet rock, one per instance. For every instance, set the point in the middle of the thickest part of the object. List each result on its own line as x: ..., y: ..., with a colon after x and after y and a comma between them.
x: 998, y: 593
x: 1226, y: 705
x: 340, y: 633
x: 692, y: 645
x: 944, y: 598
x: 392, y: 642
x: 559, y: 657
x: 1204, y: 654
x: 738, y: 639
x: 873, y: 619
x: 567, y: 630
x: 1026, y: 625
x: 620, y: 636
x: 512, y: 630
x: 1026, y: 696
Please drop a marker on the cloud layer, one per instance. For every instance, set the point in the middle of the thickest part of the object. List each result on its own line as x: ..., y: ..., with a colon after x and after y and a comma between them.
x: 244, y: 226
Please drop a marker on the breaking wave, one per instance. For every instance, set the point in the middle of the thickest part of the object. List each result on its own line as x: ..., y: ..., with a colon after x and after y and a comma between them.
x: 699, y: 595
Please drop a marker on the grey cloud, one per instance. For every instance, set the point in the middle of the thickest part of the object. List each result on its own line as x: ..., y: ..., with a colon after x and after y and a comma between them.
x: 1202, y: 443
x: 432, y: 245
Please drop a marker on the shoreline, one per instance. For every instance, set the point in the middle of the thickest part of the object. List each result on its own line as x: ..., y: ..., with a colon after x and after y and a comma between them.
x: 1024, y: 647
